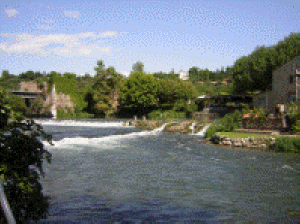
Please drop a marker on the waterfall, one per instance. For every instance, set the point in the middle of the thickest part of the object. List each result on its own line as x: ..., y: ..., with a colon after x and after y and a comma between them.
x: 203, y: 131
x: 160, y: 129
x: 192, y: 127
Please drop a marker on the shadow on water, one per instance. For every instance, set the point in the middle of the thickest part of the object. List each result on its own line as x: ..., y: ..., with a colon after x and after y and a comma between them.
x: 91, y: 210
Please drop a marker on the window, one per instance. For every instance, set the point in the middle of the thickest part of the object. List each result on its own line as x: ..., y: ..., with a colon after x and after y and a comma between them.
x: 291, y: 79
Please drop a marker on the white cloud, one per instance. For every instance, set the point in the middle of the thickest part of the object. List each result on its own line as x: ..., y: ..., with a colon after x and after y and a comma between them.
x: 73, y: 14
x: 59, y: 44
x: 11, y: 12
x: 44, y: 27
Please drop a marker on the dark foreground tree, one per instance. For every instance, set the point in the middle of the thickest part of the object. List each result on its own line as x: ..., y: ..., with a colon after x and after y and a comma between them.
x: 22, y: 155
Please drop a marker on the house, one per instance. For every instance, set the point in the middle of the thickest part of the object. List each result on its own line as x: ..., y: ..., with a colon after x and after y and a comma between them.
x: 285, y: 87
x: 40, y: 100
x: 183, y: 75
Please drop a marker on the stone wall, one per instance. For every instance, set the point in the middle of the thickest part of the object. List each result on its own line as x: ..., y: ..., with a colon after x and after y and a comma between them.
x: 262, y: 124
x: 243, y: 142
x: 48, y: 99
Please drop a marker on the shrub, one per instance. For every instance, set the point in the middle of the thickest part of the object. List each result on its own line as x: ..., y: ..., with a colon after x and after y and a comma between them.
x: 286, y: 144
x: 166, y: 115
x: 228, y: 123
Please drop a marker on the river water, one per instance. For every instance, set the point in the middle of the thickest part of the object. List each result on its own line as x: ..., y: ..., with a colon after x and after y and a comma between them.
x: 102, y: 172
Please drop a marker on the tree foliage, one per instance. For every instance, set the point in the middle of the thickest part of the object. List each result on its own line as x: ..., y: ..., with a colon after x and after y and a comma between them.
x: 22, y: 155
x: 254, y: 72
x: 138, y: 67
x: 172, y: 93
x: 139, y: 91
x: 9, y: 81
x: 103, y: 92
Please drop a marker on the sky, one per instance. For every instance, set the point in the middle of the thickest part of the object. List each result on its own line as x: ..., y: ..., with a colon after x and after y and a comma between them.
x: 70, y: 36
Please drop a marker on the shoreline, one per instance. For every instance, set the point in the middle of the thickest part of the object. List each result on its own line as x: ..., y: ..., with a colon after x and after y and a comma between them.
x: 192, y: 126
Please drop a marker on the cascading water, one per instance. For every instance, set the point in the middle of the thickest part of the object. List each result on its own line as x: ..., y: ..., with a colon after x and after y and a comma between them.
x: 160, y: 129
x: 203, y: 131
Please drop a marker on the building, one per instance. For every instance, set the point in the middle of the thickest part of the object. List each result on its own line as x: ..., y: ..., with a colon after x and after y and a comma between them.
x: 183, y: 75
x: 285, y: 87
x: 42, y: 101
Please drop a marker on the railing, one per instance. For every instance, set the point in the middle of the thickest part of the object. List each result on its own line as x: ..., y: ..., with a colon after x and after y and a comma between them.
x: 5, y: 206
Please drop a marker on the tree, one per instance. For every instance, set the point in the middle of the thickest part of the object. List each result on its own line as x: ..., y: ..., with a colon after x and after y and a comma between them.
x: 193, y: 74
x: 139, y: 92
x: 254, y: 72
x: 22, y: 155
x: 100, y: 69
x: 175, y: 94
x: 104, y: 90
x: 138, y: 67
x: 8, y: 81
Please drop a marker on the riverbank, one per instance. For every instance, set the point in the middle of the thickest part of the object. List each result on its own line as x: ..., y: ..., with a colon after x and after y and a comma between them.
x: 268, y: 140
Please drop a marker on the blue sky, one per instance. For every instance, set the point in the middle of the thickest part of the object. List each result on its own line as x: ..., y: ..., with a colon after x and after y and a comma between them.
x: 70, y: 36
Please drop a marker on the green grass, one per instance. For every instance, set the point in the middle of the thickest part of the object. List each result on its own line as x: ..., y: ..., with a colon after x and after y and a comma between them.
x: 246, y: 135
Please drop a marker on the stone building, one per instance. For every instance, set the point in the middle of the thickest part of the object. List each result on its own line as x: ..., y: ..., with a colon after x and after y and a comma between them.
x: 40, y: 100
x: 285, y: 87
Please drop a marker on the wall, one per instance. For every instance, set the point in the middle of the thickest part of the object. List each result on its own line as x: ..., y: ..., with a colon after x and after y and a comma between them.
x: 262, y: 124
x: 281, y: 86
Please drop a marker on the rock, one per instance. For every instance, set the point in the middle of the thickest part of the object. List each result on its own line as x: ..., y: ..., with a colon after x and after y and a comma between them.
x: 254, y: 142
x: 226, y: 142
x: 237, y: 144
x: 263, y: 146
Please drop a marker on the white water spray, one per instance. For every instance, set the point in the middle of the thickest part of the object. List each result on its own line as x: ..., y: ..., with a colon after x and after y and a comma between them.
x: 203, y: 131
x: 112, y: 139
x: 73, y: 123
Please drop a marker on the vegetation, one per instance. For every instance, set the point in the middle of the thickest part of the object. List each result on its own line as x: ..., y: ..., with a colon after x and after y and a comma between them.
x: 21, y: 164
x: 254, y: 72
x: 166, y: 115
x: 228, y: 123
x: 139, y: 92
x: 286, y: 144
x: 245, y: 135
x: 143, y: 93
x: 103, y: 92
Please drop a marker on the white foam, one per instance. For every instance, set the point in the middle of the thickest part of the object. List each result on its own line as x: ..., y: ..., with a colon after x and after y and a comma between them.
x: 203, y: 131
x: 98, y: 124
x: 110, y: 140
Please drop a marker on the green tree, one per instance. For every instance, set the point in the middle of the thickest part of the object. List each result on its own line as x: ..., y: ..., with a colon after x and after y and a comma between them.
x: 22, y: 155
x: 138, y: 67
x: 139, y: 92
x: 254, y: 72
x: 194, y: 74
x: 100, y: 69
x: 8, y: 81
x: 104, y: 90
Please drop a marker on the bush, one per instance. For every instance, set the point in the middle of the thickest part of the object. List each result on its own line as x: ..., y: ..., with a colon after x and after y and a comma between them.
x: 166, y: 115
x: 228, y: 123
x: 286, y: 144
x: 22, y: 155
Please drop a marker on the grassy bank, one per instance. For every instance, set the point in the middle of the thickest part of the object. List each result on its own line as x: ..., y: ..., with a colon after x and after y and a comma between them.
x: 246, y: 135
x: 282, y: 143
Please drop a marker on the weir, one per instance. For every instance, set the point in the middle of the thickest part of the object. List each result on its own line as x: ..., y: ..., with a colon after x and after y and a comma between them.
x: 203, y: 131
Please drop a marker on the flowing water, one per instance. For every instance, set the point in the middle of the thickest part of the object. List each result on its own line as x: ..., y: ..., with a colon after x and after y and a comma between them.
x: 102, y: 172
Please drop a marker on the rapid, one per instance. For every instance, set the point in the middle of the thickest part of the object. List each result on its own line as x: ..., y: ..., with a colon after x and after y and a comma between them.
x: 103, y: 172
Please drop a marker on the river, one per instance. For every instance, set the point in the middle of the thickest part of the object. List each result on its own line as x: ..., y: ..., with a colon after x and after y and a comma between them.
x: 102, y: 172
